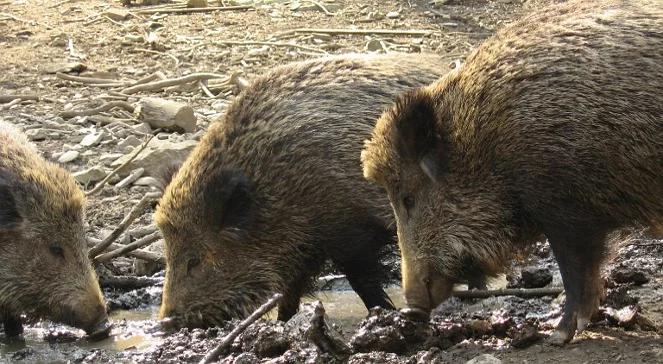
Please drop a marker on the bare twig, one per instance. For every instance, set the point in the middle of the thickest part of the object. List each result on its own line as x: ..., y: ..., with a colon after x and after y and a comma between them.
x: 9, y: 16
x: 113, y: 172
x: 273, y: 44
x: 322, y: 7
x: 129, y: 282
x: 205, y: 89
x: 135, y: 212
x: 9, y: 98
x: 124, y: 250
x: 91, y: 80
x: 145, y: 255
x: 192, y: 10
x: 159, y: 85
x: 105, y: 107
x: 364, y: 31
x: 7, y: 106
x: 227, y: 340
x: 519, y: 292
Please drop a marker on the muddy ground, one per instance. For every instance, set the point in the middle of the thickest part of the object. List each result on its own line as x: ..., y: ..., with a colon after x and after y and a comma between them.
x: 41, y: 42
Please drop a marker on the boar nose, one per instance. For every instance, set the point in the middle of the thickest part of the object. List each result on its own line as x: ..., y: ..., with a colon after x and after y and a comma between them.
x: 424, y: 290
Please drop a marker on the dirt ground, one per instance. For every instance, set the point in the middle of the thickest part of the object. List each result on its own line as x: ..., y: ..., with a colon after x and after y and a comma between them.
x: 40, y: 40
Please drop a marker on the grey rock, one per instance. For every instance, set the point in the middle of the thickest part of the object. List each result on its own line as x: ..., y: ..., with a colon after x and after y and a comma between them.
x: 158, y: 156
x: 93, y: 174
x: 484, y: 359
x: 68, y: 156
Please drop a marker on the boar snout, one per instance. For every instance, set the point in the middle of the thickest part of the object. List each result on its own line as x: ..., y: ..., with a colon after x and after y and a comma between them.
x: 424, y: 289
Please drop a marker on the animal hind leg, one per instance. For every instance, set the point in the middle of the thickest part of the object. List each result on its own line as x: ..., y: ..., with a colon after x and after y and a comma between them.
x: 579, y: 255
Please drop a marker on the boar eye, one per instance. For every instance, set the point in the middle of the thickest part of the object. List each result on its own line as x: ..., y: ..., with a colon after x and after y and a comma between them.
x: 192, y: 263
x: 408, y: 202
x: 57, y: 251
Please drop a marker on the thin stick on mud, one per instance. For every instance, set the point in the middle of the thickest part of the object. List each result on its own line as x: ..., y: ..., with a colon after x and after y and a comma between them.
x: 518, y: 292
x: 274, y: 44
x: 126, y: 249
x: 145, y: 255
x: 101, y: 184
x: 105, y: 107
x: 129, y: 282
x: 91, y: 80
x: 159, y: 85
x: 322, y: 7
x: 135, y: 212
x: 227, y: 340
x: 192, y: 10
x: 9, y: 98
x: 363, y: 31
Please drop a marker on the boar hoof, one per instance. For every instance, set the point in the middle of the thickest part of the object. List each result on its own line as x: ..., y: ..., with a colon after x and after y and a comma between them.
x: 559, y: 338
x: 100, y: 331
x: 415, y: 314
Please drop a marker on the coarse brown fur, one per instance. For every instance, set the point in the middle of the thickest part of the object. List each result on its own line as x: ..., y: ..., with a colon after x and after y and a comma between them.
x: 275, y: 188
x: 44, y: 268
x: 553, y: 126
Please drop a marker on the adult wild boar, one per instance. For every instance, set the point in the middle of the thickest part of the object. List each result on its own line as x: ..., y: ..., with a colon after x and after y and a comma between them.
x: 553, y: 126
x: 44, y: 268
x: 275, y: 188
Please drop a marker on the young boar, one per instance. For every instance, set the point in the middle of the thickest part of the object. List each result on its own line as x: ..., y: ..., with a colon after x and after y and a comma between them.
x: 554, y: 126
x: 44, y: 268
x: 275, y: 188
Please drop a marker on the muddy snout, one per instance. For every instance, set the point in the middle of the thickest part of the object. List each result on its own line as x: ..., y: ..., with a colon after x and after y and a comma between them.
x: 89, y: 315
x: 424, y: 290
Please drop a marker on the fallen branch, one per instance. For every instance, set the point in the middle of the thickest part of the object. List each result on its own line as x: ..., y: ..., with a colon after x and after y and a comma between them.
x: 363, y: 31
x: 227, y: 340
x: 105, y: 107
x: 274, y: 44
x: 145, y: 255
x: 518, y: 292
x: 101, y: 184
x: 160, y: 85
x: 91, y: 80
x: 135, y: 212
x: 124, y: 250
x: 322, y: 7
x: 192, y: 10
x: 9, y: 98
x: 129, y: 282
x: 10, y: 104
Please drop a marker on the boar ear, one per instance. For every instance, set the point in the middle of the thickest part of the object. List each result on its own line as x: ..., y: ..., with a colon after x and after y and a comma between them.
x: 229, y: 200
x: 418, y: 133
x: 10, y: 218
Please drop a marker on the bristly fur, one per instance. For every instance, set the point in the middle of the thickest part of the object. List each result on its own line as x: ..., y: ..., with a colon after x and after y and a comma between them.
x: 42, y: 208
x: 284, y: 160
x: 553, y: 126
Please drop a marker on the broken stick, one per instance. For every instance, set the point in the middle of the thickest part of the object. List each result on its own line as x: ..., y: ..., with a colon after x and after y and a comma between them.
x: 105, y: 107
x: 145, y: 255
x: 160, y: 85
x: 364, y: 31
x: 113, y: 172
x: 125, y: 249
x: 129, y: 282
x: 518, y: 292
x: 135, y: 212
x: 192, y: 10
x: 227, y: 340
x: 9, y: 98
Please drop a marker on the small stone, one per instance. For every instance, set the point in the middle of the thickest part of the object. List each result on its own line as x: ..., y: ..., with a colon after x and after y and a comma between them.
x: 92, y: 139
x: 90, y: 175
x: 524, y: 336
x: 196, y: 3
x: 158, y: 156
x: 36, y: 134
x: 130, y: 141
x: 116, y: 14
x: 108, y: 159
x: 68, y: 156
x: 374, y: 45
x: 132, y: 177
x: 629, y: 276
x: 143, y: 128
x: 536, y: 277
x: 484, y: 359
x: 393, y: 14
x: 149, y: 181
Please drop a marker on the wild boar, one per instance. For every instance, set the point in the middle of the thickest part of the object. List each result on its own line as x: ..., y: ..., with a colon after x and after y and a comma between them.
x: 44, y: 268
x: 275, y: 188
x: 553, y: 126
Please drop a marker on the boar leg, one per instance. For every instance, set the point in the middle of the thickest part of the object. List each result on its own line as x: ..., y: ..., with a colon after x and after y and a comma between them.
x: 361, y: 264
x: 579, y: 256
x: 13, y: 326
x: 300, y: 285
